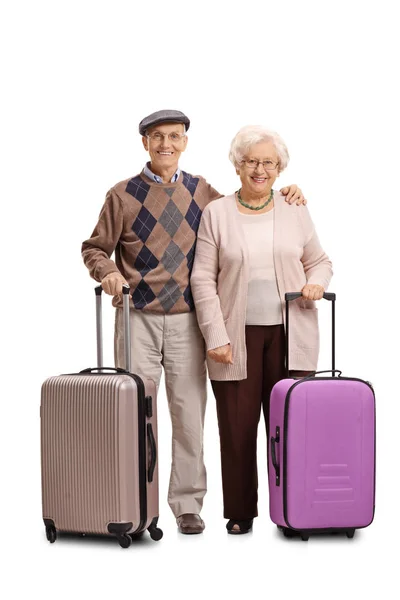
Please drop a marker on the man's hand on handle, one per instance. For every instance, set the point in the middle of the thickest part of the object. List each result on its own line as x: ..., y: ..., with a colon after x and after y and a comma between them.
x: 112, y: 283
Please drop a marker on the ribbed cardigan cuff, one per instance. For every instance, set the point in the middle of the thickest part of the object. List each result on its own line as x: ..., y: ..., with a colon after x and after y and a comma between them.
x: 303, y: 361
x: 216, y: 336
x: 220, y: 372
x: 319, y: 280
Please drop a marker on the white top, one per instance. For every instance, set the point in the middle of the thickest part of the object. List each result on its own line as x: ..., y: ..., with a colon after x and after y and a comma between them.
x: 263, y: 301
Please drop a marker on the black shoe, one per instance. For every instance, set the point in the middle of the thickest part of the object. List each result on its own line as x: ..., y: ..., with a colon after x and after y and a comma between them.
x: 245, y: 526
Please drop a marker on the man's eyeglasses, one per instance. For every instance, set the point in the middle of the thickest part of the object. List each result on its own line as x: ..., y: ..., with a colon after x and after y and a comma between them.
x: 157, y: 136
x: 252, y: 163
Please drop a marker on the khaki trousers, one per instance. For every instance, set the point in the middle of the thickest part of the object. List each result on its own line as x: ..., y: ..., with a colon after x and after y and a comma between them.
x: 175, y: 343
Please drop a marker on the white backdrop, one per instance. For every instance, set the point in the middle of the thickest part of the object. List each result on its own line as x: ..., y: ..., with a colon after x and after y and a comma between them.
x: 77, y: 78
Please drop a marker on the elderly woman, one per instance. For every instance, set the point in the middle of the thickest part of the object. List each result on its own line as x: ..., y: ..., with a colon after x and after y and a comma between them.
x: 251, y: 250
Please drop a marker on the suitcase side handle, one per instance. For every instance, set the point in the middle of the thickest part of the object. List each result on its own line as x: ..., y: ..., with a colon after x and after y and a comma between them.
x: 275, y: 440
x: 289, y: 296
x: 127, y: 330
x: 153, y: 452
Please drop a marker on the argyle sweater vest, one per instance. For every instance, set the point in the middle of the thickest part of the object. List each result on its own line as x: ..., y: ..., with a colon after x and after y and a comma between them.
x: 152, y: 229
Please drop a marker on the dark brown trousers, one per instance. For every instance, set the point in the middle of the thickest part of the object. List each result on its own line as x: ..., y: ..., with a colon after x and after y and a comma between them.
x: 239, y: 406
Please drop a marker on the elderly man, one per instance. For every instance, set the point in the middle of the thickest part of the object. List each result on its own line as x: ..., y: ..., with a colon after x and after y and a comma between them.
x: 151, y: 223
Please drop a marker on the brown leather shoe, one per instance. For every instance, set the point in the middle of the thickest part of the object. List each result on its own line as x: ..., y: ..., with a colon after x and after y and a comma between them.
x: 189, y: 524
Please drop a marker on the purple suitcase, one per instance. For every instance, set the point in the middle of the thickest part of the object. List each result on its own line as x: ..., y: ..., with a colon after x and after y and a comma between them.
x: 322, y: 450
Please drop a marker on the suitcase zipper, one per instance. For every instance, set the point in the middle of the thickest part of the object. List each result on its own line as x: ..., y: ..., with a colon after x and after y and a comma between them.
x: 142, y: 452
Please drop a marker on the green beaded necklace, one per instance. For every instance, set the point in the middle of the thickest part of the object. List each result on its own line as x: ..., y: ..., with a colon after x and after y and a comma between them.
x: 255, y: 207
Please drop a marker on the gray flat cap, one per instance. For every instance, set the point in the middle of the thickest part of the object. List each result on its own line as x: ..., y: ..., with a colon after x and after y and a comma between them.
x: 163, y: 116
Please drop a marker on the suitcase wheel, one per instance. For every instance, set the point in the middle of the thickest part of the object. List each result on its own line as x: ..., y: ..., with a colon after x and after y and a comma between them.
x: 124, y: 540
x: 51, y: 533
x: 350, y: 533
x: 155, y: 533
x: 305, y: 537
x: 288, y: 533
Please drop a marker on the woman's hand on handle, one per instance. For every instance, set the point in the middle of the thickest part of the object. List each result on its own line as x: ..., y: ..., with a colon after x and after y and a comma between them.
x: 223, y: 354
x: 312, y: 292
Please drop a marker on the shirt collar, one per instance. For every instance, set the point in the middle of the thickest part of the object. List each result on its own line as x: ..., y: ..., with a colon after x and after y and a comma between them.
x: 149, y: 173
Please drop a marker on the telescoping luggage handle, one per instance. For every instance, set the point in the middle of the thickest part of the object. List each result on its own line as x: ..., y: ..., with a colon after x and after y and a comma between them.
x: 127, y: 347
x: 276, y: 440
x: 293, y: 296
x: 127, y: 331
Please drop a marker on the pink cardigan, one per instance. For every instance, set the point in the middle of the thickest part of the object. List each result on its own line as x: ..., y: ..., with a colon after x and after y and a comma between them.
x: 220, y: 274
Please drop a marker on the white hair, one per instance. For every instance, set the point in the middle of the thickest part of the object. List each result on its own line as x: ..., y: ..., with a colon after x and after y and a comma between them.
x: 254, y: 134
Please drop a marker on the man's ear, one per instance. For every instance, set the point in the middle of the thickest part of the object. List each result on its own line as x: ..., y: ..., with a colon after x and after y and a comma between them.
x: 145, y: 143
